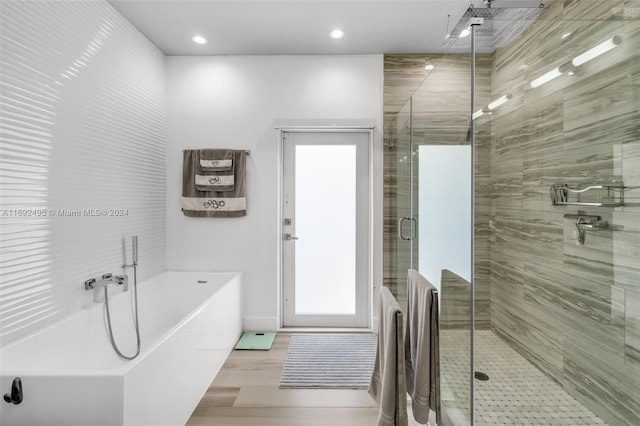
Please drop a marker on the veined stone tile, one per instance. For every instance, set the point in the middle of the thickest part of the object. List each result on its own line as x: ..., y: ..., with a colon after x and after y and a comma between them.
x: 586, y: 107
x: 591, y: 10
x: 632, y: 326
x: 626, y: 250
x: 618, y: 300
x: 630, y: 169
x: 608, y: 389
x: 455, y: 300
x: 596, y: 160
x: 515, y: 235
x: 544, y: 319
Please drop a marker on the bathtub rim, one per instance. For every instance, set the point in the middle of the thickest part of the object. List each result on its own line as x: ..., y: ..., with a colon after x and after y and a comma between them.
x: 127, y: 364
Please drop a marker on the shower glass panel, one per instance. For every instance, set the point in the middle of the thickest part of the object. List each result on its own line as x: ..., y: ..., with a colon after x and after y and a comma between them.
x: 564, y: 287
x: 403, y: 240
x: 556, y: 266
x: 441, y: 206
x: 432, y: 160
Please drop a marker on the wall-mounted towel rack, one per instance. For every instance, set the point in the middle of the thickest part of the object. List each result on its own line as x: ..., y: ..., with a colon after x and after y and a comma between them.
x: 248, y: 151
x: 592, y: 195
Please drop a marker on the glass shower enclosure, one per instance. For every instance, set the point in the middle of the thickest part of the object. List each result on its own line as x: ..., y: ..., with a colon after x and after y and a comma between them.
x: 525, y: 212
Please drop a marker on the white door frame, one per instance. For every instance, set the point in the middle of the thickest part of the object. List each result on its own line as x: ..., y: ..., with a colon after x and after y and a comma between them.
x: 280, y: 216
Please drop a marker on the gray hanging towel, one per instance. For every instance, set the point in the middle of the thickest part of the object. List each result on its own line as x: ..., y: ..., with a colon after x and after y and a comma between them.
x: 196, y: 203
x: 422, y: 347
x: 215, y: 170
x: 388, y: 387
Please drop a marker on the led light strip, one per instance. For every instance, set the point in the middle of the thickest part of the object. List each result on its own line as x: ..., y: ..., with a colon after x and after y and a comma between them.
x: 581, y: 59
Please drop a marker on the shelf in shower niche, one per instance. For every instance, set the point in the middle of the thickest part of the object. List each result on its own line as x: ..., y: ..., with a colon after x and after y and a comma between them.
x: 589, y: 195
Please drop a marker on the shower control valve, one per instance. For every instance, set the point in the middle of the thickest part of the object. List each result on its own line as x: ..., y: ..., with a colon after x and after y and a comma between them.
x: 123, y: 280
x: 88, y: 284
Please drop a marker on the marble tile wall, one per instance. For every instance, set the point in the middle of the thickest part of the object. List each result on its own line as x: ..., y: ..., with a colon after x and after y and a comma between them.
x: 571, y: 309
x: 402, y: 76
x: 455, y: 311
x: 441, y: 101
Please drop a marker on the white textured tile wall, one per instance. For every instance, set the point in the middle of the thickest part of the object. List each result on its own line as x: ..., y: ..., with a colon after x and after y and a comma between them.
x: 83, y: 126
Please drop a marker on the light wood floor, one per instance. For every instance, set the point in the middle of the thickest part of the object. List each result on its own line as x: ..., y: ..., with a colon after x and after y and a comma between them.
x: 246, y: 392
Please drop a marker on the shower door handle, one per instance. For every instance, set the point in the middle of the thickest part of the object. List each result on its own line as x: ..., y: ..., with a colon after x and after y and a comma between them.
x: 412, y: 236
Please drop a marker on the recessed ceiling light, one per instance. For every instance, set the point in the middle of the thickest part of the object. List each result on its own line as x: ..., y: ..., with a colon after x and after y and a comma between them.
x: 199, y: 39
x: 429, y: 67
x: 337, y: 33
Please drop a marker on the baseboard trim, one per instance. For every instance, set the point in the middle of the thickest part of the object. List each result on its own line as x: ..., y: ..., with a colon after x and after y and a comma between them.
x: 260, y: 324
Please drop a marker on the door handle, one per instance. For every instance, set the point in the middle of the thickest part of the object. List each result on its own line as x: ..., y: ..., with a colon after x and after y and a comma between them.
x: 289, y: 237
x: 413, y: 228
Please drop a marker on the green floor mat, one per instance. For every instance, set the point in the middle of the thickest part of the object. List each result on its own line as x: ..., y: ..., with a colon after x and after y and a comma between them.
x: 256, y: 340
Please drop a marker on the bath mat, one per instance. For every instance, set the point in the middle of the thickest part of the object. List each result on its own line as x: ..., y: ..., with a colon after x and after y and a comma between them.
x: 329, y: 361
x: 256, y: 340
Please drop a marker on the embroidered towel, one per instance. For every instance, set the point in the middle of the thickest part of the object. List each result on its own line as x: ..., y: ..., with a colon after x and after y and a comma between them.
x: 387, y: 385
x: 216, y: 160
x: 196, y: 203
x: 215, y: 170
x: 221, y: 183
x: 422, y: 347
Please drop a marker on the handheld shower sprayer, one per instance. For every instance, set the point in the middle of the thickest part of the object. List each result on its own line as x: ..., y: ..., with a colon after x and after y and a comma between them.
x: 134, y: 253
x: 134, y: 265
x: 134, y: 249
x: 94, y: 284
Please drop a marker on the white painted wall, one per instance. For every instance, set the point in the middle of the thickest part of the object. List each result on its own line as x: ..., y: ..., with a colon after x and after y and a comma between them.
x: 83, y: 117
x: 232, y: 102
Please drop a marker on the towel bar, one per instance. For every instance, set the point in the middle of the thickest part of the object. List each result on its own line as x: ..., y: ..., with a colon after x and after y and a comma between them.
x: 248, y: 151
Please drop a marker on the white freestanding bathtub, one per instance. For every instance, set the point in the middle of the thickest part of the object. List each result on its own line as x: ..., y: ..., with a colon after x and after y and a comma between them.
x: 71, y: 375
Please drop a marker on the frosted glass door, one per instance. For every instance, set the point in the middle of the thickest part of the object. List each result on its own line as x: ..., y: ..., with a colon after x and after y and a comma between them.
x: 325, y: 229
x: 325, y: 211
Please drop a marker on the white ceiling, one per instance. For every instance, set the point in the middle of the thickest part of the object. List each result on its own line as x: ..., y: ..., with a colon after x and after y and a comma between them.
x: 291, y: 27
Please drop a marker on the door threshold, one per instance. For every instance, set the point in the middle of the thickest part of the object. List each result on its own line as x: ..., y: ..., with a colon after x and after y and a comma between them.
x: 324, y: 330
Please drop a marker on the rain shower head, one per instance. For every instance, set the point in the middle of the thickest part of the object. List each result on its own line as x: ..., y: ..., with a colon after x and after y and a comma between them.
x: 499, y: 28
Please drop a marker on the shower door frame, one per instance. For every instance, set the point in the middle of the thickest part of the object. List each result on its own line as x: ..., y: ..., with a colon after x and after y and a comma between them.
x: 408, y: 215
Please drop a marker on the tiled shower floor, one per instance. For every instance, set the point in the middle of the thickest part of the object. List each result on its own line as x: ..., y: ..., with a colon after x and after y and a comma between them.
x: 517, y: 393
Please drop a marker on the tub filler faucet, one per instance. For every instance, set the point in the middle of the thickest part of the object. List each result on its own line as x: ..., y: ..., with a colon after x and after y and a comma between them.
x: 109, y: 278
